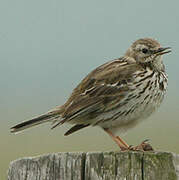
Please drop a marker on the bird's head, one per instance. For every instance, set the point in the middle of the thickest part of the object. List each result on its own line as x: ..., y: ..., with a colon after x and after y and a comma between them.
x: 147, y: 50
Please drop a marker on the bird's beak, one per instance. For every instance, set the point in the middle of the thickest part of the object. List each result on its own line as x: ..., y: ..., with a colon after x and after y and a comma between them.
x: 161, y: 51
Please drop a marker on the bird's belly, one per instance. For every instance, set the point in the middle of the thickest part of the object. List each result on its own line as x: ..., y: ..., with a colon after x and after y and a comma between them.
x: 138, y: 105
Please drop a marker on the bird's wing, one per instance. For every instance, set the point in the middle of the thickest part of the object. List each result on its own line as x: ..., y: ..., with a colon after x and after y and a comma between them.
x: 100, y: 90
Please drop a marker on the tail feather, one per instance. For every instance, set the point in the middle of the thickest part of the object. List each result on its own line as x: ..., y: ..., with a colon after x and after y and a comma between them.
x: 76, y: 128
x: 33, y: 122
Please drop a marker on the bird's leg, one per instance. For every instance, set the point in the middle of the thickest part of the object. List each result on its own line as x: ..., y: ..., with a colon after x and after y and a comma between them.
x: 144, y: 146
x: 121, y: 143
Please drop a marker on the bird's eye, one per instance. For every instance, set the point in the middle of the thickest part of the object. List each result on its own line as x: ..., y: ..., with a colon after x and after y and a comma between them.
x: 144, y: 50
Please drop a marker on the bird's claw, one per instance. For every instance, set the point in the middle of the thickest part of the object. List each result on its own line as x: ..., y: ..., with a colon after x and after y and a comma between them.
x: 144, y: 146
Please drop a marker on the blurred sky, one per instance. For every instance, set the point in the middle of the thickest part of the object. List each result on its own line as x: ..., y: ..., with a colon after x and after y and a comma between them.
x: 47, y: 47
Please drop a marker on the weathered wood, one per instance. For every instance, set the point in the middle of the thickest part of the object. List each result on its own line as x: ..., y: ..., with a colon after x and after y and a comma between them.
x: 97, y: 166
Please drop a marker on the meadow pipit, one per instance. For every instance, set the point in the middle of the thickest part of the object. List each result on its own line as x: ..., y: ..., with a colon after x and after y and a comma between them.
x: 116, y: 95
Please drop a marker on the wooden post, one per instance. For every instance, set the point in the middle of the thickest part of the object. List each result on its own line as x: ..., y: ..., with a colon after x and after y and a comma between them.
x: 97, y: 166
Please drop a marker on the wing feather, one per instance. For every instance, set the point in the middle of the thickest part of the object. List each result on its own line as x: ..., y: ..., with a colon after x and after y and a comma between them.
x: 100, y: 91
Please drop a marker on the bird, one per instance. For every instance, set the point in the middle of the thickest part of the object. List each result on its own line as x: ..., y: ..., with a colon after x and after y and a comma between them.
x: 115, y: 96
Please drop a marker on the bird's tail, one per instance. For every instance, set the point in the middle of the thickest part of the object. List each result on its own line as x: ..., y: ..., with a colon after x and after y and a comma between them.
x: 35, y: 121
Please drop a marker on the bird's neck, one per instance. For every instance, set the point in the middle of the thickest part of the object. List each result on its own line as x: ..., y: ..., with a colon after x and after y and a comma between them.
x: 156, y: 65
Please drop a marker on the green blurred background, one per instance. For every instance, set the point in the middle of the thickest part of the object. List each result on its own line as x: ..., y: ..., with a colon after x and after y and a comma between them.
x: 47, y: 47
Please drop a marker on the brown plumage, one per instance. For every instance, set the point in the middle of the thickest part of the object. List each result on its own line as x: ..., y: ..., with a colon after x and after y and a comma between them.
x: 116, y: 95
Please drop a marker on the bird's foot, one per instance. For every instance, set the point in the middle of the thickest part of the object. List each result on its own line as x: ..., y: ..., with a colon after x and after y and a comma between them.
x: 144, y: 146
